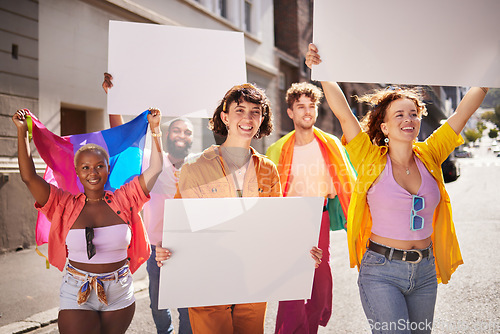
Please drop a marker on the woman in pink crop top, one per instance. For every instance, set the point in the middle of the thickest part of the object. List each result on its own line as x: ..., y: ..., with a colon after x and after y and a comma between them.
x: 97, y: 291
x: 400, y: 232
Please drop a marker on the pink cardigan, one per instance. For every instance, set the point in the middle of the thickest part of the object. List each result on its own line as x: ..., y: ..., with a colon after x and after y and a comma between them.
x: 62, y: 209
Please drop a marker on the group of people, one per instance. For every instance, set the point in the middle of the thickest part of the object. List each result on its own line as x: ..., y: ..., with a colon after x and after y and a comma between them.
x: 380, y: 183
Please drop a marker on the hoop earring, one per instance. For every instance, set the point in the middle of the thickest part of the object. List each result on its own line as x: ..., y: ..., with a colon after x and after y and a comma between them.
x: 257, y: 134
x: 227, y: 126
x: 386, y: 141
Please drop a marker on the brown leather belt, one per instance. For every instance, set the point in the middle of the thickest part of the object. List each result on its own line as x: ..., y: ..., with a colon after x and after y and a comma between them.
x: 411, y: 255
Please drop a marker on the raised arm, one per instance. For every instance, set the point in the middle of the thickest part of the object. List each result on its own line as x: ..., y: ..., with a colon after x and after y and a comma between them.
x: 468, y: 106
x: 149, y: 176
x: 38, y: 187
x: 114, y: 120
x: 336, y: 99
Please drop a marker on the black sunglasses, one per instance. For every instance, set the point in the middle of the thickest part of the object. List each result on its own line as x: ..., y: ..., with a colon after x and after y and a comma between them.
x: 89, y: 235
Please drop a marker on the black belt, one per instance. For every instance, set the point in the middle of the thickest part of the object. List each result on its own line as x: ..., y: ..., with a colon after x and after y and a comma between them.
x: 411, y: 255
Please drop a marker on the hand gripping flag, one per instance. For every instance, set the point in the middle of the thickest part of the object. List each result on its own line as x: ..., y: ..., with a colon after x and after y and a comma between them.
x: 124, y: 144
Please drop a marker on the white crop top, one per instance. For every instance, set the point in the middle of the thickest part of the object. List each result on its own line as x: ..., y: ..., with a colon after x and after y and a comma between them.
x: 111, y: 244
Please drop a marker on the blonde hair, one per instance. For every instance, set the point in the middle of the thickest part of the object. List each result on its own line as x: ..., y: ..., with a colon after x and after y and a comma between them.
x: 92, y: 147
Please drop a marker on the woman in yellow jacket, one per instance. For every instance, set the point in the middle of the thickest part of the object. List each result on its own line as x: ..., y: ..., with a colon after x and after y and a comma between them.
x: 233, y: 169
x: 400, y: 231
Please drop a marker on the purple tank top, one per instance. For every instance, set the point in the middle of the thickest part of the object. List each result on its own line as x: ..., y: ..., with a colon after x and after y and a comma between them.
x: 391, y: 205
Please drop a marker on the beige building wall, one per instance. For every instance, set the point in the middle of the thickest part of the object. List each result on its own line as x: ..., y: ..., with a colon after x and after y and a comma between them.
x: 64, y: 46
x: 18, y: 89
x: 73, y: 50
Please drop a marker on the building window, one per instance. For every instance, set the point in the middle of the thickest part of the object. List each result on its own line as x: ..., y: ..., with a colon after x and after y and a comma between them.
x: 281, y: 81
x: 241, y: 13
x: 73, y: 121
x: 15, y: 51
x: 223, y: 8
x: 248, y: 15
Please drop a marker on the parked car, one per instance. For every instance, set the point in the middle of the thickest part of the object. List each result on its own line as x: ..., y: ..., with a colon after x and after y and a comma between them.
x: 451, y: 169
x: 463, y: 154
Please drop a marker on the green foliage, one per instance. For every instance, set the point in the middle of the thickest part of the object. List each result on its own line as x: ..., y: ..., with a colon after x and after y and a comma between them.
x: 481, y: 127
x: 493, y: 133
x: 489, y: 116
x: 492, y: 116
x: 471, y: 135
x: 497, y: 116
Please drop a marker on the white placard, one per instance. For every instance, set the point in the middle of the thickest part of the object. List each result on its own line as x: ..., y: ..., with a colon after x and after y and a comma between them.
x: 425, y: 42
x: 182, y: 71
x: 260, y: 254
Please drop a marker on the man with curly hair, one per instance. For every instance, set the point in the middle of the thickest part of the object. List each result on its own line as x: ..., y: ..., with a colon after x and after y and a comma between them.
x: 312, y: 163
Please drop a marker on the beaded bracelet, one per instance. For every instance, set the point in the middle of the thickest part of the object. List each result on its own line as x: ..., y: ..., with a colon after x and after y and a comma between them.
x: 157, y: 135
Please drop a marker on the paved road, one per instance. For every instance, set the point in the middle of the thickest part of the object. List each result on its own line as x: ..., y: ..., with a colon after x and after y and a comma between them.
x: 470, y: 303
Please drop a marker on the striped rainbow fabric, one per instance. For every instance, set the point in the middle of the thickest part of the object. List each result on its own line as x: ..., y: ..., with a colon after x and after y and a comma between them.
x: 340, y: 168
x: 125, y: 146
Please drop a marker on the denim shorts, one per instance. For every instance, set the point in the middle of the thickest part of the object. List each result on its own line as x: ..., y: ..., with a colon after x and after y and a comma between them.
x: 119, y: 293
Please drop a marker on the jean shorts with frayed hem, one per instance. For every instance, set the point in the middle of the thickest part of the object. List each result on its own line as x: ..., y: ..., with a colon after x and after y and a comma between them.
x: 119, y: 292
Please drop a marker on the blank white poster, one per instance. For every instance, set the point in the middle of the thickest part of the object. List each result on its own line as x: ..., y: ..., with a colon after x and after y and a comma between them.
x: 255, y: 252
x: 183, y: 71
x: 425, y: 42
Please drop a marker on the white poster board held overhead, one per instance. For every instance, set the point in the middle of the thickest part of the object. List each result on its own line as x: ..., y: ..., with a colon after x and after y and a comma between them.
x: 182, y: 71
x: 426, y: 42
x: 257, y: 251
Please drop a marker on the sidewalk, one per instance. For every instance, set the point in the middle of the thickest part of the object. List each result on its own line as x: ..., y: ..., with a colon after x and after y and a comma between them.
x: 30, y: 292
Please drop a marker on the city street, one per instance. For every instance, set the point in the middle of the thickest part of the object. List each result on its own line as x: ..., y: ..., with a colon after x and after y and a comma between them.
x: 236, y: 73
x: 468, y: 304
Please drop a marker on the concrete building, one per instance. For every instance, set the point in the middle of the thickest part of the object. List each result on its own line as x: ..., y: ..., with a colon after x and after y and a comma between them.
x: 53, y: 56
x: 19, y: 86
x: 293, y: 31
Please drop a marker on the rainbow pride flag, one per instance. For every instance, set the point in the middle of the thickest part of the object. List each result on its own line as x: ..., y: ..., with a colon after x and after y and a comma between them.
x: 125, y: 146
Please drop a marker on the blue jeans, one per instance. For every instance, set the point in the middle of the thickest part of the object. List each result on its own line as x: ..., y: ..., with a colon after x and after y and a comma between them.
x: 397, y: 296
x: 163, y: 318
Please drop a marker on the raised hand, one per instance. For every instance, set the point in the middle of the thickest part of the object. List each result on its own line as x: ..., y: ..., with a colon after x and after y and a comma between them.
x: 312, y: 56
x: 154, y: 117
x: 19, y: 119
x: 38, y: 187
x: 107, y: 83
